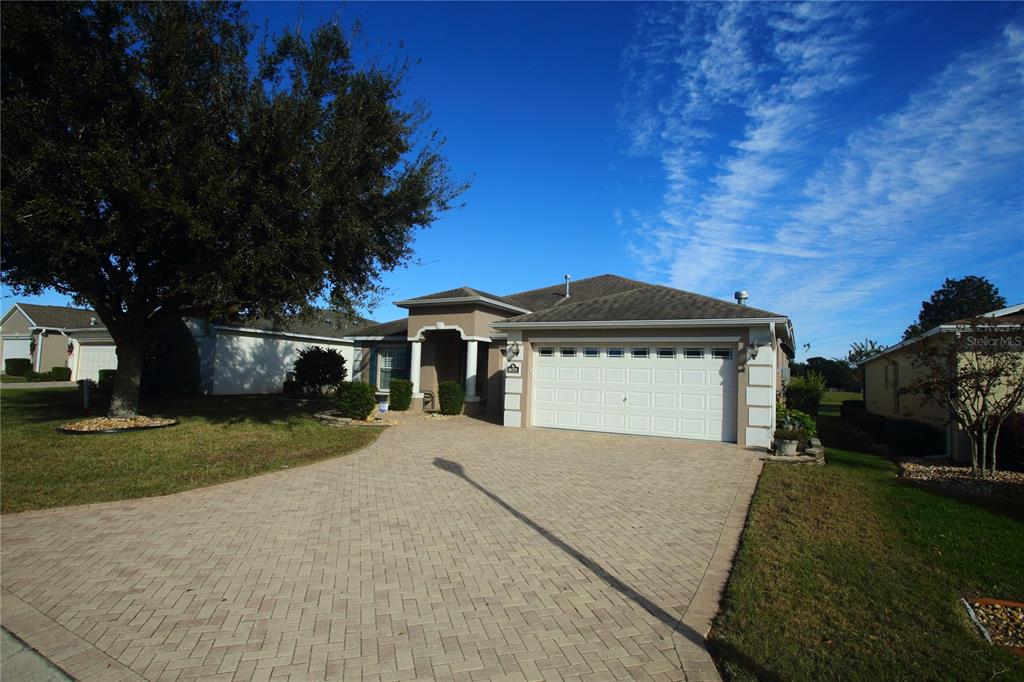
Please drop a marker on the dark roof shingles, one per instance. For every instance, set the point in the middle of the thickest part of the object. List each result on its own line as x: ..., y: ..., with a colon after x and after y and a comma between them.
x: 544, y: 298
x: 59, y: 317
x: 645, y: 302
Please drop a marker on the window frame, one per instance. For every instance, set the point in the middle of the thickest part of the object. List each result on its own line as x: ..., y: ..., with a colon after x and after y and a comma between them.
x: 587, y: 352
x: 715, y: 354
x: 403, y: 353
x: 563, y: 354
x: 646, y: 352
x: 546, y: 351
x: 666, y: 353
x: 692, y: 353
x: 616, y: 353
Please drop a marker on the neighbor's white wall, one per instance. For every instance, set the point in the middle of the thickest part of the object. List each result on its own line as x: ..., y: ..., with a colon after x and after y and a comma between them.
x: 244, y: 362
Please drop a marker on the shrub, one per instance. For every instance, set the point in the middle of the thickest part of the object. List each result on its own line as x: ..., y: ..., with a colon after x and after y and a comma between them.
x: 400, y: 397
x: 451, y: 396
x: 319, y: 368
x: 789, y: 434
x: 355, y: 399
x: 905, y: 437
x: 106, y: 380
x: 37, y: 376
x: 291, y: 387
x: 795, y: 420
x: 60, y: 374
x: 1010, y: 450
x: 804, y: 393
x: 17, y: 367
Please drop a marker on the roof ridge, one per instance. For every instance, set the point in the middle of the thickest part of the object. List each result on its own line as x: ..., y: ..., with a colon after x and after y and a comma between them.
x: 588, y: 301
x: 717, y: 300
x: 585, y: 279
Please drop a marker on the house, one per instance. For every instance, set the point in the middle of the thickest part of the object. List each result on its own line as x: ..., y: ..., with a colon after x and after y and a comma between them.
x: 605, y: 353
x: 38, y: 332
x: 232, y: 358
x: 887, y: 373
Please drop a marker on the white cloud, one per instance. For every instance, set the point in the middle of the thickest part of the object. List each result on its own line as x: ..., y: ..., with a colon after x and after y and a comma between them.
x: 751, y: 200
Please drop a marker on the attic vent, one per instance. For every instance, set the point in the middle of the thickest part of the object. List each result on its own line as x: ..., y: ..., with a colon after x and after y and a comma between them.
x: 741, y: 297
x: 567, y: 278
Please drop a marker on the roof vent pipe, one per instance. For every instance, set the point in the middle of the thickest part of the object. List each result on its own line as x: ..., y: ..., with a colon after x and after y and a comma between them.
x: 567, y: 278
x: 741, y: 297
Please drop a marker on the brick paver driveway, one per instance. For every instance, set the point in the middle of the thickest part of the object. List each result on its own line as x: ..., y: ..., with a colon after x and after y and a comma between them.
x: 448, y: 549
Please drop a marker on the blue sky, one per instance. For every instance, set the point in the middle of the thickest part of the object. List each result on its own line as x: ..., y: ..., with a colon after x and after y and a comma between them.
x: 837, y: 161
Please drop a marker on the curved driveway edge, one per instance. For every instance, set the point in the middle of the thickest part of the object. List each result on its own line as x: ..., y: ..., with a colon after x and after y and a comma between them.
x: 448, y: 549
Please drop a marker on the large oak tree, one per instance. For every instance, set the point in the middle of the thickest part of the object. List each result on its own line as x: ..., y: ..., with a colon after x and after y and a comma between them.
x: 151, y: 170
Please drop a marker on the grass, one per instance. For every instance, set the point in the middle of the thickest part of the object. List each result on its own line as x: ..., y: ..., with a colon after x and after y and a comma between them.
x: 831, y: 400
x: 219, y: 439
x: 11, y: 379
x: 846, y: 572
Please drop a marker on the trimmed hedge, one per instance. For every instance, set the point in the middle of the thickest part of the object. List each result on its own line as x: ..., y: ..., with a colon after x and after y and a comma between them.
x: 451, y: 396
x: 804, y: 393
x: 905, y: 437
x: 17, y: 367
x: 36, y: 377
x: 400, y: 395
x: 60, y: 374
x: 355, y: 399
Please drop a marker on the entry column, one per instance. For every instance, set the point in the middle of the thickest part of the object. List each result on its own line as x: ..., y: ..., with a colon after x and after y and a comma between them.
x: 414, y: 368
x: 471, y: 371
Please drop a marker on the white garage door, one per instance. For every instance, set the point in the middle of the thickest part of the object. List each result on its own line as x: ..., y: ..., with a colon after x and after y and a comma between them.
x: 94, y: 358
x: 17, y: 348
x: 655, y: 389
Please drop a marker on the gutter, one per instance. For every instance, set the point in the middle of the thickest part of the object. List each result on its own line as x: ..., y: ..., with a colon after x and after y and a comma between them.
x: 730, y: 322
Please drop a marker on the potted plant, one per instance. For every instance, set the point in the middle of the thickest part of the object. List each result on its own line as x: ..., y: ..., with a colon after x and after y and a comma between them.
x: 787, y: 441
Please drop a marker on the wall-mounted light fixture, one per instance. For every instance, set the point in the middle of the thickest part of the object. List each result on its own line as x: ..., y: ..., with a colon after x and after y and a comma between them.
x: 513, y: 350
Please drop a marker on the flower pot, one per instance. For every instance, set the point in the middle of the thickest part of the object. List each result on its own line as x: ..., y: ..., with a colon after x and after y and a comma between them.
x: 786, y: 448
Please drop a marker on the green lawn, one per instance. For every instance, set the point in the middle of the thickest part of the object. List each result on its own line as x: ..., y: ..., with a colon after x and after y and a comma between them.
x: 831, y: 401
x: 845, y: 572
x: 219, y: 439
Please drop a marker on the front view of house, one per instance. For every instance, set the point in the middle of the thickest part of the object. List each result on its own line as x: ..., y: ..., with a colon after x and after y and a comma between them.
x: 600, y: 354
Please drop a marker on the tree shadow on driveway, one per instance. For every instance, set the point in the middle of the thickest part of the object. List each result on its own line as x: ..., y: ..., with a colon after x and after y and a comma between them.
x: 675, y: 624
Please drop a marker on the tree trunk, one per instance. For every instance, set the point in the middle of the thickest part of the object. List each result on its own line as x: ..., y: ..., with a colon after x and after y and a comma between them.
x: 984, y: 451
x: 124, y: 402
x: 974, y: 452
x: 995, y: 445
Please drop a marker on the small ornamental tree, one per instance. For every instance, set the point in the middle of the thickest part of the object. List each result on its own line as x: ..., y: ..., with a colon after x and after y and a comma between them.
x: 317, y: 369
x: 977, y: 374
x: 151, y: 173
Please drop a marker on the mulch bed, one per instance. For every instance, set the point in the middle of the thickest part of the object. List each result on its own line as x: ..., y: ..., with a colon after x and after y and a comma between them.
x: 115, y: 425
x: 1007, y: 484
x: 1003, y: 621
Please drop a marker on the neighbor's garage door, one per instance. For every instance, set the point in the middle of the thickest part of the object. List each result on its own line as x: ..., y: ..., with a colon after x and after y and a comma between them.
x: 17, y: 348
x: 656, y: 389
x: 95, y: 358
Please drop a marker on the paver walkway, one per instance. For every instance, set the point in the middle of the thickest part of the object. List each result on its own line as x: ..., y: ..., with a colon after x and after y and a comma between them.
x: 448, y: 549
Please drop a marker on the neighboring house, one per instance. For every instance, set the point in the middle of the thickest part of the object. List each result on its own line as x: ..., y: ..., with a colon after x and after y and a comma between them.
x: 603, y: 354
x: 887, y: 373
x: 38, y: 332
x: 253, y: 357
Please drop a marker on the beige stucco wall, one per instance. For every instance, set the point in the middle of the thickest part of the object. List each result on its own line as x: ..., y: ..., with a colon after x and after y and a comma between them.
x: 470, y: 318
x: 883, y: 380
x: 52, y: 350
x: 16, y: 324
x: 495, y: 379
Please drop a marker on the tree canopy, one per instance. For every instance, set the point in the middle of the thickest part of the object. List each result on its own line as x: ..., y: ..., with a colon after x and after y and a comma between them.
x: 956, y: 299
x: 150, y: 172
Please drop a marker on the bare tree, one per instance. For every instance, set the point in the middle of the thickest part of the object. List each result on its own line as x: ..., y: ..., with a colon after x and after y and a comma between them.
x: 976, y: 371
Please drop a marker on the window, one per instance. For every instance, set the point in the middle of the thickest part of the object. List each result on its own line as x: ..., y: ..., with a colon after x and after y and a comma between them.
x: 640, y: 352
x: 693, y: 353
x: 392, y: 363
x: 591, y: 352
x: 668, y: 353
x: 567, y: 352
x: 721, y: 353
x: 546, y: 352
x: 615, y: 352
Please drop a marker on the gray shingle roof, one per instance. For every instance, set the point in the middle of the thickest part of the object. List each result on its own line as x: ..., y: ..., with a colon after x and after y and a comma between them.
x: 464, y: 292
x: 59, y: 317
x: 399, y: 327
x: 319, y: 323
x: 536, y: 300
x: 644, y: 302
